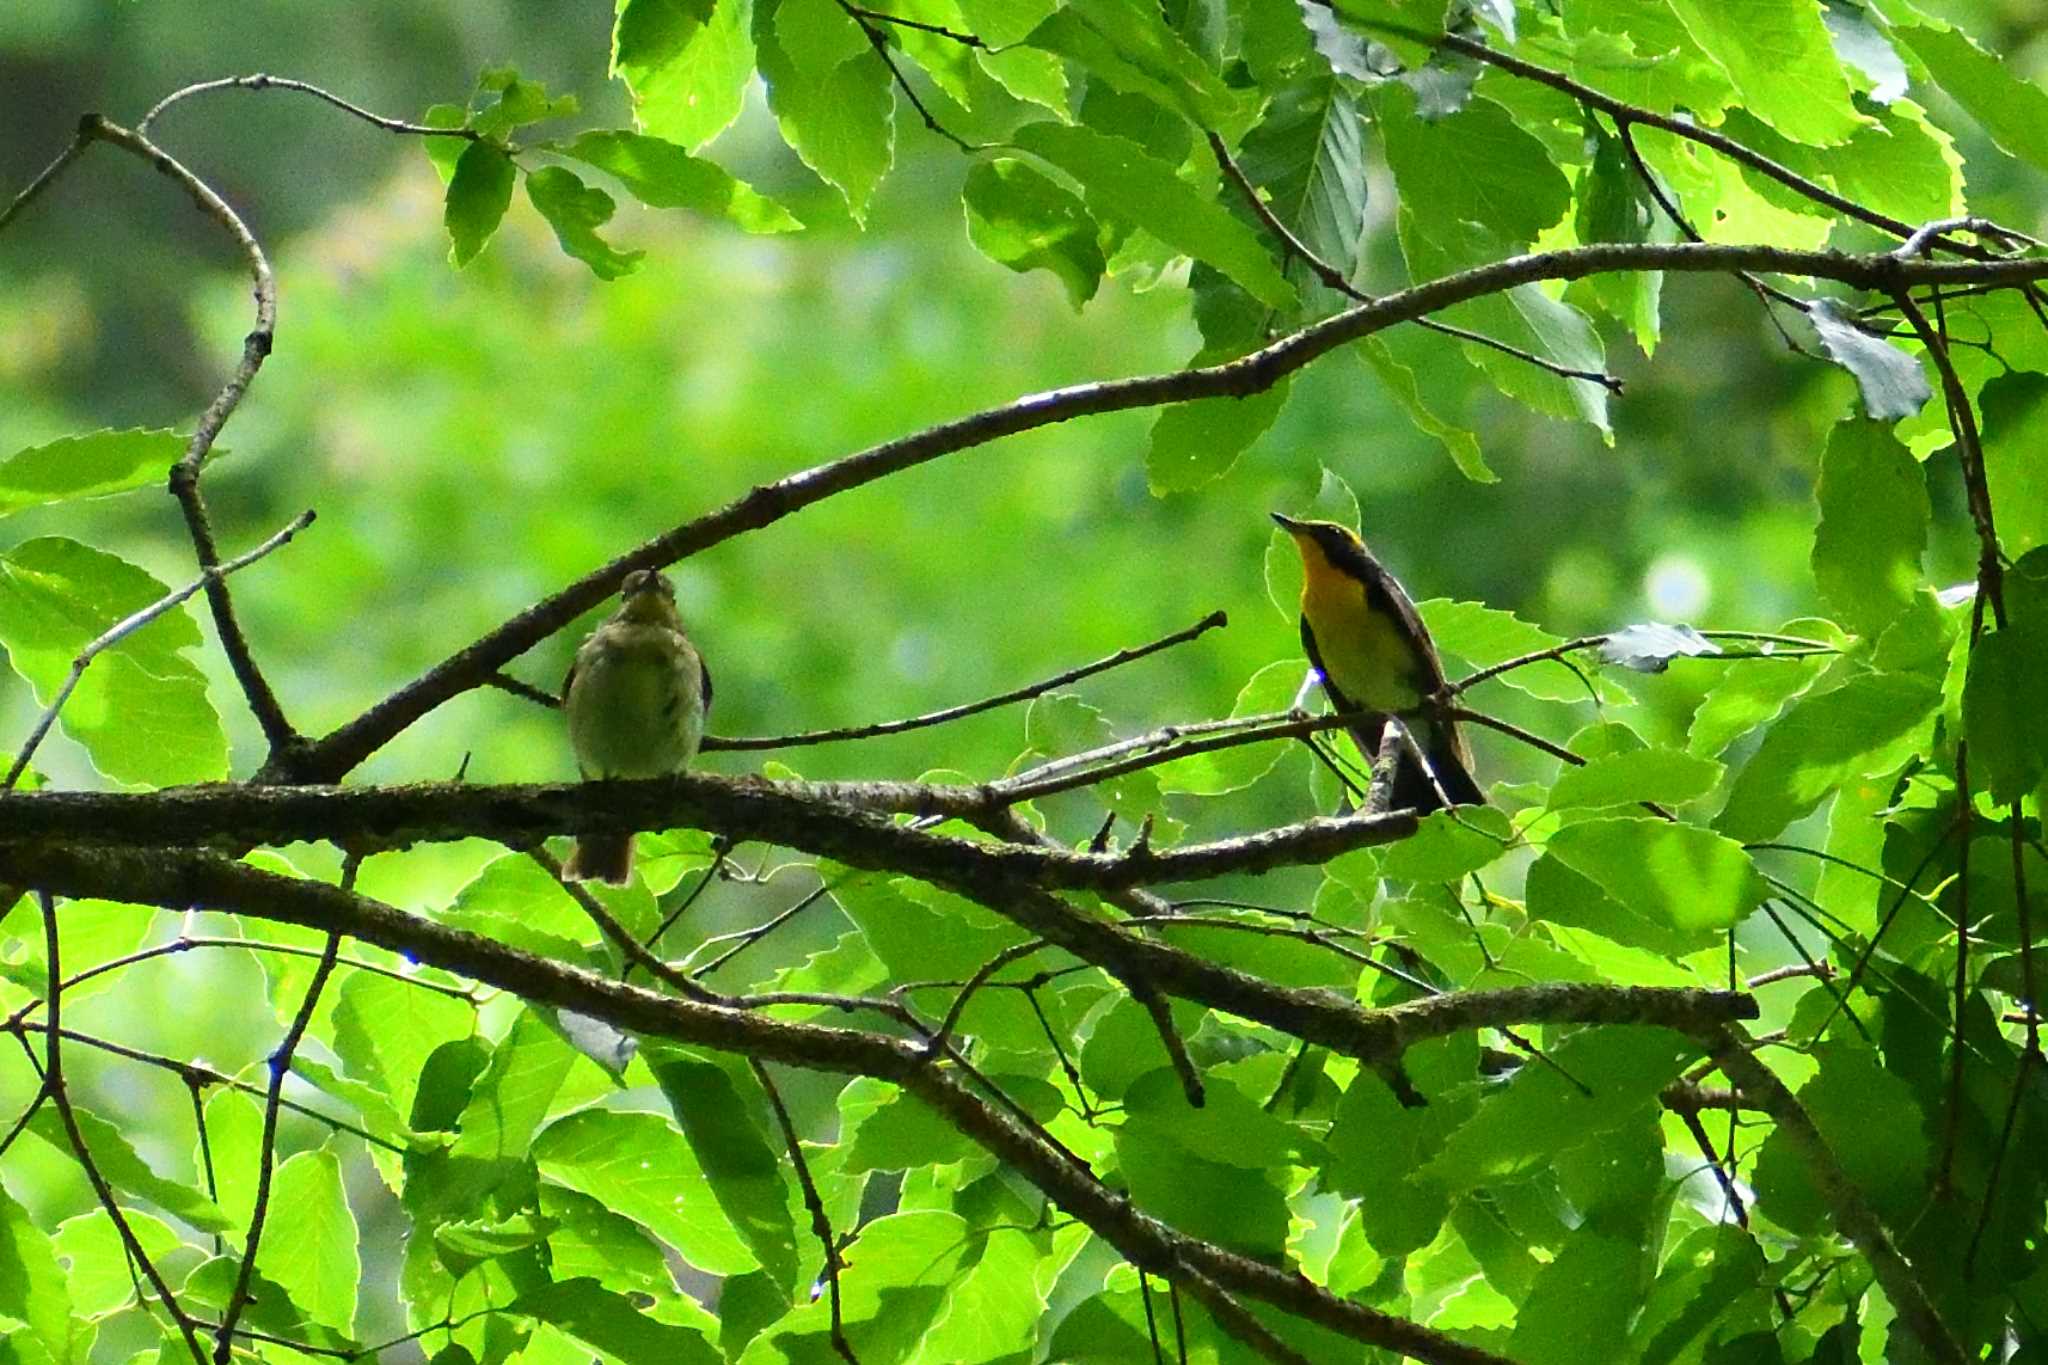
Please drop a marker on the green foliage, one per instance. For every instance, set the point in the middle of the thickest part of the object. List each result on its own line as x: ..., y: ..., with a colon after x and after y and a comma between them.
x: 503, y: 1180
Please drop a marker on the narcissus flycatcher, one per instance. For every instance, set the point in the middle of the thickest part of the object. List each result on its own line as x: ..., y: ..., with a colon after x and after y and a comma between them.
x: 636, y: 697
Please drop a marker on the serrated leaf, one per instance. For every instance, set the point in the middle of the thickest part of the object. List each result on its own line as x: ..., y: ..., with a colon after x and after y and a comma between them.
x: 385, y: 1030
x: 2013, y: 110
x: 92, y: 465
x: 34, y: 1290
x: 899, y: 1276
x: 1447, y: 845
x: 1668, y: 776
x: 664, y: 176
x: 1539, y: 1113
x: 309, y: 1214
x: 640, y: 1166
x: 125, y: 1169
x: 1021, y: 219
x: 1681, y: 875
x: 688, y: 79
x: 2015, y: 433
x: 478, y: 194
x: 1650, y: 647
x: 1270, y: 689
x: 141, y: 709
x: 1229, y: 1128
x: 1122, y: 180
x: 576, y: 211
x: 1461, y: 445
x: 611, y: 1323
x: 1580, y: 1304
x: 650, y: 33
x: 1885, y: 1162
x: 96, y: 1271
x: 1778, y: 54
x: 711, y: 1099
x: 837, y: 120
x: 444, y: 152
x: 1128, y: 46
x: 1196, y: 443
x: 1873, y: 526
x: 1308, y: 155
x: 1408, y: 28
x: 1484, y: 636
x: 1867, y: 725
x: 1891, y: 382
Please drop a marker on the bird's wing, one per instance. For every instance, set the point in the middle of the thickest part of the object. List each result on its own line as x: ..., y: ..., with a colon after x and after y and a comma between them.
x: 704, y: 671
x: 567, y: 679
x: 1383, y: 591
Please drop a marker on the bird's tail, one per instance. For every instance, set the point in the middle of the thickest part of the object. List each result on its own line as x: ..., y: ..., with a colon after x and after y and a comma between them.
x: 601, y: 858
x: 1412, y: 788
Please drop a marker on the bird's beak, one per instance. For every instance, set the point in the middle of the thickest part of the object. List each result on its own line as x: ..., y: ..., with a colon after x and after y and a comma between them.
x: 1289, y: 524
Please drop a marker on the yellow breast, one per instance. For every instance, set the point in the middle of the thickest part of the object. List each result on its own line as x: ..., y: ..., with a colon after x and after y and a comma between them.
x: 1365, y: 655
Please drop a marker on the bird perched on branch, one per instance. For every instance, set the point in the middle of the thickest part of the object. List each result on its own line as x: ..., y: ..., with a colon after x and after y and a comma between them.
x: 636, y: 697
x: 1365, y: 639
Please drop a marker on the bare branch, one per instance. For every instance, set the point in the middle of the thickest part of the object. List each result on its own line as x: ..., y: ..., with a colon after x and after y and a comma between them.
x: 1212, y: 621
x: 334, y: 755
x: 277, y: 730
x: 259, y: 81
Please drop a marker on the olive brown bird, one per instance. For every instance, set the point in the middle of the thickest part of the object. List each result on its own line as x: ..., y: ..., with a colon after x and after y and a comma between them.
x: 1367, y: 642
x: 637, y: 696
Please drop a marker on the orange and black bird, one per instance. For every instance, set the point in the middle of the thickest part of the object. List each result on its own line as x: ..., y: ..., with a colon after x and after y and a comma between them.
x: 1366, y: 641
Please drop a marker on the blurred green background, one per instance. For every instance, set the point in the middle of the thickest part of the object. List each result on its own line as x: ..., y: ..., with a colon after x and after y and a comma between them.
x: 474, y: 440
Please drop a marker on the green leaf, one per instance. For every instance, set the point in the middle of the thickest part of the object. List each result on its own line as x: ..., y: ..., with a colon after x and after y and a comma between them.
x: 1196, y: 443
x: 1378, y: 1147
x: 478, y: 194
x: 2003, y: 707
x: 1667, y: 776
x: 1705, y: 1273
x: 1885, y: 1162
x: 1269, y: 690
x: 992, y: 1312
x: 588, y: 1239
x: 610, y: 1323
x: 140, y: 710
x: 1520, y: 1128
x: 512, y: 1097
x: 1484, y: 636
x: 1447, y: 845
x: 386, y: 1029
x: 444, y: 152
x: 1640, y: 52
x: 901, y: 1133
x: 664, y: 176
x: 2015, y: 433
x: 713, y: 1101
x: 817, y: 35
x: 1229, y: 1205
x: 35, y: 1291
x: 1121, y: 180
x: 1021, y: 219
x: 1477, y: 166
x: 899, y: 1275
x: 1308, y: 155
x: 1867, y: 725
x: 518, y: 102
x: 1891, y: 381
x: 1682, y: 875
x: 309, y: 1214
x: 2013, y: 110
x: 1128, y: 46
x: 1580, y: 1305
x: 1873, y: 526
x: 1408, y: 28
x: 1556, y: 894
x: 639, y: 1165
x: 837, y: 117
x: 1229, y: 1128
x: 687, y: 64
x: 88, y: 466
x: 576, y: 211
x: 125, y: 1169
x: 1749, y: 694
x: 1401, y: 386
x: 1778, y: 54
x: 96, y: 1271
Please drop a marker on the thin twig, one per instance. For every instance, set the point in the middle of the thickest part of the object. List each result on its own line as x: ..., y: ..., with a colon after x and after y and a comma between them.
x: 280, y: 1064
x: 60, y: 1096
x: 184, y: 480
x: 1338, y: 282
x: 48, y: 175
x: 259, y: 81
x: 821, y: 1225
x: 608, y: 924
x: 127, y: 626
x: 880, y: 42
x: 964, y: 39
x: 1212, y: 621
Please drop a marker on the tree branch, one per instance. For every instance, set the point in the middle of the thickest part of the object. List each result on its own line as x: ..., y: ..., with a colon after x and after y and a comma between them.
x: 335, y: 754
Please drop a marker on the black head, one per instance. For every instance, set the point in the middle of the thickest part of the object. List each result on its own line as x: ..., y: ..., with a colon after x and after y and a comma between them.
x: 1337, y: 542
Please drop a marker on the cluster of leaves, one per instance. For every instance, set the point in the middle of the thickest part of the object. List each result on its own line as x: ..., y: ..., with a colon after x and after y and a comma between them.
x: 1551, y: 1210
